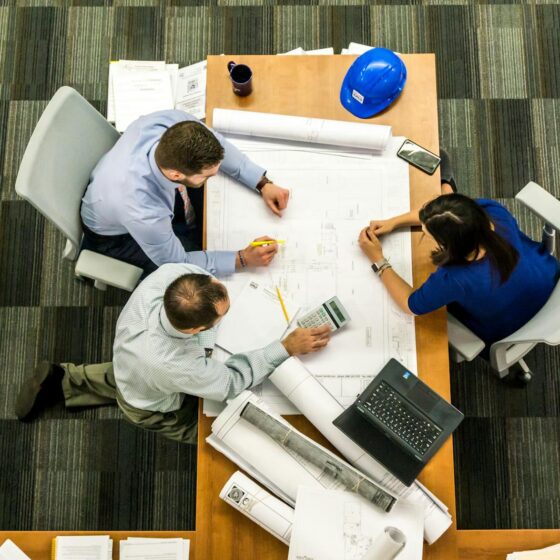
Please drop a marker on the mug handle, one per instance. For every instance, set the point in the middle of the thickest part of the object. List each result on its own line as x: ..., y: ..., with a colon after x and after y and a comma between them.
x: 230, y: 66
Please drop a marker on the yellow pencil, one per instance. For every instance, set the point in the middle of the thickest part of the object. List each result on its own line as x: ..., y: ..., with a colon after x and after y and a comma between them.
x: 270, y: 242
x: 282, y: 304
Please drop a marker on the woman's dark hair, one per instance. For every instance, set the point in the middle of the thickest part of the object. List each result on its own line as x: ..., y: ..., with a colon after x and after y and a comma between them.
x: 462, y: 228
x: 190, y: 301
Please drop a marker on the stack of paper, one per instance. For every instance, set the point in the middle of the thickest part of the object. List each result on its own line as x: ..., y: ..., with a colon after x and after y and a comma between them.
x: 140, y: 87
x: 9, y: 551
x: 356, y: 48
x: 299, y: 50
x: 548, y: 553
x: 99, y: 547
x: 139, y: 548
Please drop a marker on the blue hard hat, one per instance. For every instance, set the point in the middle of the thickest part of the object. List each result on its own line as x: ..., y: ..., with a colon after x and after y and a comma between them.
x: 373, y: 82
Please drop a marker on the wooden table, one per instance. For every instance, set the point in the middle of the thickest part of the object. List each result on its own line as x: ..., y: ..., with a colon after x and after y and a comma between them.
x: 309, y: 86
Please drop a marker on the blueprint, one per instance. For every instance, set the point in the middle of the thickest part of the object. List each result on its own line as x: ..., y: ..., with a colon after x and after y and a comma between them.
x: 333, y: 195
x: 335, y: 525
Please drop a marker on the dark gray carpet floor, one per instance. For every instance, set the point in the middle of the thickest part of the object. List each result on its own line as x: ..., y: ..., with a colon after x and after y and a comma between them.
x: 499, y: 110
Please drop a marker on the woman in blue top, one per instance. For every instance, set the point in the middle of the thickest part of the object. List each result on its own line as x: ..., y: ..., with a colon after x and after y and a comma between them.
x: 490, y: 275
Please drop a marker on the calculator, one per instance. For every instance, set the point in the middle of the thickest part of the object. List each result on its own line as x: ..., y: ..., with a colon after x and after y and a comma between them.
x: 330, y: 313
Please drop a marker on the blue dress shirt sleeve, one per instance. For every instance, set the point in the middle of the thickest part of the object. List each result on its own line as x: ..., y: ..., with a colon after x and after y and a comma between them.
x: 161, y: 245
x: 238, y: 165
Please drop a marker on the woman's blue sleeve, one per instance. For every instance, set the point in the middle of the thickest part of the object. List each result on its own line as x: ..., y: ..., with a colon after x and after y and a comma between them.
x: 438, y: 290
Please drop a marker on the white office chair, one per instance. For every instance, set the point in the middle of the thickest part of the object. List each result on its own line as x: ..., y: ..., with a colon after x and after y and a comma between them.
x: 543, y: 327
x: 68, y: 141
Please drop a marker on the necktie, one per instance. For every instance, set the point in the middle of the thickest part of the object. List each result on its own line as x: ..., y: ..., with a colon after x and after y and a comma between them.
x: 190, y: 217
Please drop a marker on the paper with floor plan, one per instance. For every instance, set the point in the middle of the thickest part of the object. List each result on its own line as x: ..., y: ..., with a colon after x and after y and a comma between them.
x: 259, y: 505
x: 302, y: 129
x: 334, y: 525
x: 284, y: 467
x: 331, y: 198
x: 314, y: 401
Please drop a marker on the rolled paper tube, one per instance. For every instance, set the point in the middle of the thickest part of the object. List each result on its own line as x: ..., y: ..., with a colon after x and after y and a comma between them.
x: 290, y: 439
x: 387, y: 545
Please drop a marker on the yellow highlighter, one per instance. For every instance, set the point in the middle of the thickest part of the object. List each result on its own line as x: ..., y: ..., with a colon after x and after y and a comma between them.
x: 269, y: 242
x: 285, y: 311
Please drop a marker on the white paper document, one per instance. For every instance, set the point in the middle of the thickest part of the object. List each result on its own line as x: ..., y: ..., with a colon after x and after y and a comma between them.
x: 153, y: 549
x: 97, y: 547
x: 358, y: 48
x: 261, y: 507
x: 548, y: 553
x: 335, y: 525
x: 10, y: 551
x: 302, y: 129
x: 140, y: 93
x: 118, y: 66
x: 190, y: 95
x: 297, y: 50
x: 326, y: 50
x: 184, y: 546
x: 255, y: 319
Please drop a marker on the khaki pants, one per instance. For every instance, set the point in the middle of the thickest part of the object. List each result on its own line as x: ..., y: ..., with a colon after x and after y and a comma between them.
x: 94, y: 385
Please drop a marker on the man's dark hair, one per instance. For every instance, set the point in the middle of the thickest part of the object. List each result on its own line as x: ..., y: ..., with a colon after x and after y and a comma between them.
x: 190, y: 301
x: 462, y: 228
x: 188, y: 147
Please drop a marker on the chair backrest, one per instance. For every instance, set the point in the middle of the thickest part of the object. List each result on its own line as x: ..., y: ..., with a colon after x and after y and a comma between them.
x: 68, y: 141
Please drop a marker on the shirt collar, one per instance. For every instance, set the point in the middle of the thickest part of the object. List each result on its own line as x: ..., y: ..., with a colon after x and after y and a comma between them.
x: 168, y: 327
x: 162, y: 180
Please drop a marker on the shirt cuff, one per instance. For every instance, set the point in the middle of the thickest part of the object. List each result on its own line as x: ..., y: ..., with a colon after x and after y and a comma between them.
x: 225, y: 262
x: 275, y: 353
x: 252, y: 175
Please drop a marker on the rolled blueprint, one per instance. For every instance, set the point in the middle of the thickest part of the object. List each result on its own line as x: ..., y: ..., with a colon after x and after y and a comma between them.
x: 290, y: 439
x: 314, y: 401
x: 387, y: 545
x: 302, y: 129
x: 259, y: 505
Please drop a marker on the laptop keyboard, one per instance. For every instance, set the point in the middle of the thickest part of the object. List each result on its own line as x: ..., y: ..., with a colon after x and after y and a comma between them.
x: 389, y: 408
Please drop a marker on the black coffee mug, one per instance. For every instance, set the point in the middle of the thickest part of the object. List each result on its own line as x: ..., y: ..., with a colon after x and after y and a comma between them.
x: 241, y: 78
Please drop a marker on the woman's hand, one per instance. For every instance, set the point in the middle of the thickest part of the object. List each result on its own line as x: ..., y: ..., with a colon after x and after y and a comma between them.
x: 370, y: 245
x: 381, y: 227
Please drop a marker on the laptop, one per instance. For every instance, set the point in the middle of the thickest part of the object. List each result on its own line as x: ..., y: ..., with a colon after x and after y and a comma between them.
x: 399, y: 421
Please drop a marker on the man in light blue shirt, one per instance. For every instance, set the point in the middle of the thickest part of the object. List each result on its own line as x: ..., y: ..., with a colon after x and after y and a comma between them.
x: 142, y: 205
x: 162, y: 358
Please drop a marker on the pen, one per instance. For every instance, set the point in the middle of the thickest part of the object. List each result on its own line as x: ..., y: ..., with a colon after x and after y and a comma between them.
x: 282, y: 304
x: 269, y: 242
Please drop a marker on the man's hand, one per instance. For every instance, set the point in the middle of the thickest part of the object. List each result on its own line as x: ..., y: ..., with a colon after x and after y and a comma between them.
x: 370, y: 245
x: 258, y: 256
x: 303, y: 341
x: 381, y: 227
x: 275, y: 197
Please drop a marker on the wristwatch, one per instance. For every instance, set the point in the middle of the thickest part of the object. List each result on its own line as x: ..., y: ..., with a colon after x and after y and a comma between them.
x: 260, y: 185
x: 379, y: 266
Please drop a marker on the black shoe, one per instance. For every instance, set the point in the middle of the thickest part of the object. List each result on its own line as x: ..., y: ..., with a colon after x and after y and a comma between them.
x: 42, y: 389
x: 446, y: 170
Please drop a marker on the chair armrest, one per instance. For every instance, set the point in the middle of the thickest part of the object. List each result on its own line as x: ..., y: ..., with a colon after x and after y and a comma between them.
x: 463, y: 340
x: 108, y: 270
x: 541, y: 203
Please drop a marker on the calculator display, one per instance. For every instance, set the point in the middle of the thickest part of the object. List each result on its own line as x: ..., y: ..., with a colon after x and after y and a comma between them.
x: 337, y: 311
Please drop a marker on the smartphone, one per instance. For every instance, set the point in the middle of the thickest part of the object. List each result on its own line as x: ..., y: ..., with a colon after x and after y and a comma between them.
x: 419, y: 157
